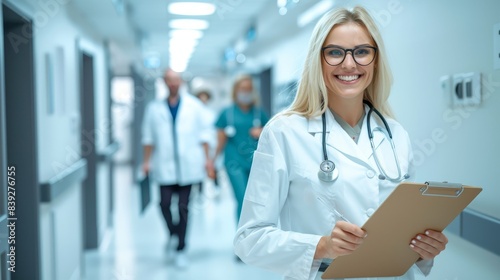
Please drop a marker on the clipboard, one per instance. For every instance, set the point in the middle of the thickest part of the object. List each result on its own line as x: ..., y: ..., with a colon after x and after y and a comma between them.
x: 144, y: 184
x: 409, y: 210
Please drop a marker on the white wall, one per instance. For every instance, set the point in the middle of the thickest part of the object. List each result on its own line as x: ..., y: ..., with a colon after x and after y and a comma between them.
x: 56, y: 29
x: 426, y: 40
x: 442, y: 38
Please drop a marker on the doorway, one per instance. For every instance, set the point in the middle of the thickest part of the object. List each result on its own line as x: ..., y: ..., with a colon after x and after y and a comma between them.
x: 88, y: 150
x: 21, y: 154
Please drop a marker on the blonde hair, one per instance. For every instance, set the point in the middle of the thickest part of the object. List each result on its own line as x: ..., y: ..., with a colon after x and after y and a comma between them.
x: 239, y: 79
x: 312, y: 96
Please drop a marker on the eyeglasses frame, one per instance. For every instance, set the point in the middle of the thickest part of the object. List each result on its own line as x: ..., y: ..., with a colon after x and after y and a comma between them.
x: 352, y: 54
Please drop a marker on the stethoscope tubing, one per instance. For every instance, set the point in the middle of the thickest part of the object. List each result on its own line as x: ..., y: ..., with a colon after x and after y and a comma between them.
x: 230, y: 129
x: 327, y: 175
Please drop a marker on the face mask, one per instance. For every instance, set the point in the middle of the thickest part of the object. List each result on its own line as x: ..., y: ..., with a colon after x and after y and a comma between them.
x: 244, y: 97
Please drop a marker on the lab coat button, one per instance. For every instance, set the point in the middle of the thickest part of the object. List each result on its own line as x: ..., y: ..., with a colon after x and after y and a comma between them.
x: 370, y: 212
x: 370, y: 174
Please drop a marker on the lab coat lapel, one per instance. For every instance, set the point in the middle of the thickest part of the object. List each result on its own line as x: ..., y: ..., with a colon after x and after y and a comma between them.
x: 314, y: 125
x: 165, y: 112
x: 184, y: 111
x: 336, y: 137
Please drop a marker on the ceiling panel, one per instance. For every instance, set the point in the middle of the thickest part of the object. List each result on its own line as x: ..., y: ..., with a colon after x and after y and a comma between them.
x: 148, y: 19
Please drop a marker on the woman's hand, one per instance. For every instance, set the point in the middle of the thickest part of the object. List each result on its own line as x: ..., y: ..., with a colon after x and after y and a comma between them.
x: 255, y: 132
x: 343, y: 240
x: 429, y: 244
x: 209, y: 166
x: 146, y: 168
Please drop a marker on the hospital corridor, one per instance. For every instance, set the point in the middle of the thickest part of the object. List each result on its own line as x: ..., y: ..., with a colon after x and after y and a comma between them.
x: 136, y: 249
x: 249, y: 139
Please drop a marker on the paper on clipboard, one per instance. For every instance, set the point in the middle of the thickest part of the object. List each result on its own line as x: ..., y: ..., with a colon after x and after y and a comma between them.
x: 410, y: 209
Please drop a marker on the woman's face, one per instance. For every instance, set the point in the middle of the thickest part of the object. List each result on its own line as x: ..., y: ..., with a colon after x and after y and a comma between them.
x: 244, y: 92
x: 348, y: 80
x: 244, y: 86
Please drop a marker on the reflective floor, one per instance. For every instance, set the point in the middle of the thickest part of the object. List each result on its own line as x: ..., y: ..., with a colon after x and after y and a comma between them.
x: 135, y: 248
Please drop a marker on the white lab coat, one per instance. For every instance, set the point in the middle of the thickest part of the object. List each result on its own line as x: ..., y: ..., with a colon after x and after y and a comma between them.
x: 285, y: 211
x: 186, y: 165
x: 211, y: 132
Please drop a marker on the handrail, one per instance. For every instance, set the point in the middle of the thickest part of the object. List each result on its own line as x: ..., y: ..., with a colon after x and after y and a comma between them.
x: 478, y: 228
x: 109, y: 151
x: 56, y: 185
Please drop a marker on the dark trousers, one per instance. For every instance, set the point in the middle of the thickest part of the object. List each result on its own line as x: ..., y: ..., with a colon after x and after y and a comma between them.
x: 179, y: 229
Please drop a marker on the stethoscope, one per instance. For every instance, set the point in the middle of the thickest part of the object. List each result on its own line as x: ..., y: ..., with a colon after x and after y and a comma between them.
x: 329, y: 173
x: 230, y: 130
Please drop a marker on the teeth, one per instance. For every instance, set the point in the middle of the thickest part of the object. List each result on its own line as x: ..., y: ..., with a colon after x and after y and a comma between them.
x: 348, y: 78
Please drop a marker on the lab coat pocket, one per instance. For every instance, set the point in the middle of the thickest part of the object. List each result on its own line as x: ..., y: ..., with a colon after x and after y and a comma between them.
x: 261, y: 178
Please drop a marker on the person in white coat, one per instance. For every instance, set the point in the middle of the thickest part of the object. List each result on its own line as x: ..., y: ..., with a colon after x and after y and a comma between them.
x: 295, y: 218
x: 175, y: 140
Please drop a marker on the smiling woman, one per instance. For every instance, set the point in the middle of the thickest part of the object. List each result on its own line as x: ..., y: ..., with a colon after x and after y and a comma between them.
x: 283, y: 227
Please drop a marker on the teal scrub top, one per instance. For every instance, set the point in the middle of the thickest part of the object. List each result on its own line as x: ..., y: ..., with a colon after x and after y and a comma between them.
x: 239, y: 149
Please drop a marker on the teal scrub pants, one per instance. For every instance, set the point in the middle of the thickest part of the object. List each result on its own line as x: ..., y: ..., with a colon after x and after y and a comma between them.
x: 238, y: 176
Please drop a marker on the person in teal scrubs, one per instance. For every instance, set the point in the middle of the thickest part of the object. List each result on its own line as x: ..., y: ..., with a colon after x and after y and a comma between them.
x: 238, y: 130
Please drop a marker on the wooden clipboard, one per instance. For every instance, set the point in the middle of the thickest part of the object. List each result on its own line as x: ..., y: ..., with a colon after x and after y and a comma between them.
x: 410, y: 209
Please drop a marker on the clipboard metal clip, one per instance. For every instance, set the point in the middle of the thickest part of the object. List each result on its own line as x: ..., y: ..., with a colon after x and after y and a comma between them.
x: 442, y: 189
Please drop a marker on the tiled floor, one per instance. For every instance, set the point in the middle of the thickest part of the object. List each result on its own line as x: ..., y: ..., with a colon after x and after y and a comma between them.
x: 135, y: 247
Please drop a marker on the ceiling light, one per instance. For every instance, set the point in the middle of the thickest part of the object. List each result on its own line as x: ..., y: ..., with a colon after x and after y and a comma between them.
x: 314, y: 12
x: 191, y: 8
x: 178, y: 67
x: 241, y: 58
x: 186, y: 33
x: 183, y: 52
x: 283, y: 11
x: 178, y: 64
x: 188, y: 24
x: 152, y: 62
x: 281, y: 3
x: 183, y: 43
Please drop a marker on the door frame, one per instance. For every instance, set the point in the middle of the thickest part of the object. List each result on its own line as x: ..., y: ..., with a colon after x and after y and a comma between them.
x: 88, y: 148
x: 24, y: 153
x: 3, y: 166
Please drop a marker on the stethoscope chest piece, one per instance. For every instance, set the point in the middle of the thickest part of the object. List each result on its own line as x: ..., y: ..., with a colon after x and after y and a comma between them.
x: 230, y: 131
x: 327, y: 171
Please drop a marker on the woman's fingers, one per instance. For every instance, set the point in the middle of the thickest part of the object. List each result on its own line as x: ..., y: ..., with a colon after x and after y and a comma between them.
x: 429, y: 244
x: 346, y: 237
x: 350, y: 230
x: 438, y: 236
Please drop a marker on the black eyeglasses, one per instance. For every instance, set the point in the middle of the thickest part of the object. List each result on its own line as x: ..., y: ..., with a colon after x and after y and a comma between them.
x: 362, y: 55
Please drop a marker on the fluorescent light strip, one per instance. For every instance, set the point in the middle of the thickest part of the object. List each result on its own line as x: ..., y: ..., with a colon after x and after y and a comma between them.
x: 197, y: 24
x: 191, y: 8
x: 186, y: 34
